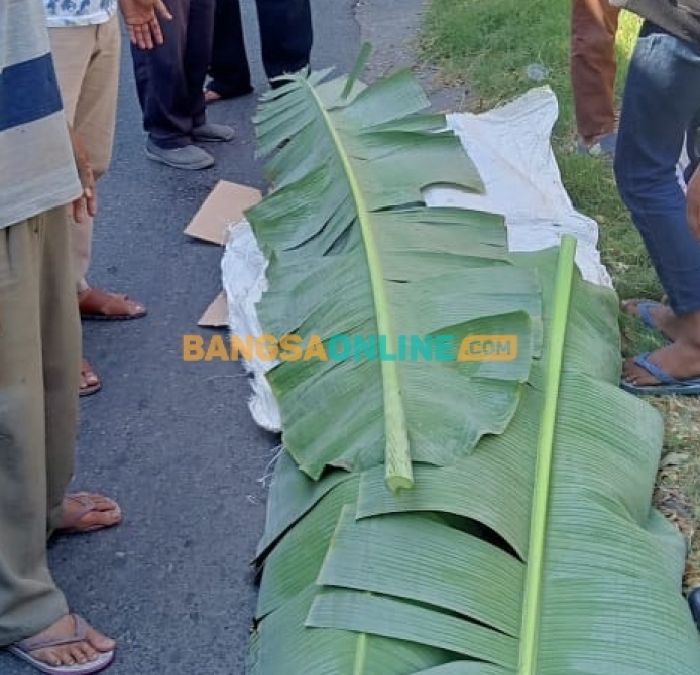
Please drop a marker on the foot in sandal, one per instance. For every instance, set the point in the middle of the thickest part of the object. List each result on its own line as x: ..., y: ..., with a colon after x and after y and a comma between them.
x: 68, y: 647
x: 674, y: 369
x: 102, y: 305
x: 89, y: 380
x: 655, y: 316
x: 84, y: 512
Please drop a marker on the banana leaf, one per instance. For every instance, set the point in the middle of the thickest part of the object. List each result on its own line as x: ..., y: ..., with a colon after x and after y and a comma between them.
x: 515, y: 551
x: 354, y: 253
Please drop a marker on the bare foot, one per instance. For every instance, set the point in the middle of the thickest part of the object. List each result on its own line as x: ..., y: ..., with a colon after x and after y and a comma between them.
x: 89, y: 380
x: 87, y: 648
x: 85, y: 512
x: 662, y: 315
x: 211, y: 96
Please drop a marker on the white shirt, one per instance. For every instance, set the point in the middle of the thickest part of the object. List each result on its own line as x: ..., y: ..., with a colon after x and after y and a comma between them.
x: 62, y: 13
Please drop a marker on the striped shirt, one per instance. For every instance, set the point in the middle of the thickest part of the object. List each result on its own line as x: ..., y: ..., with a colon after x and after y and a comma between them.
x: 37, y: 169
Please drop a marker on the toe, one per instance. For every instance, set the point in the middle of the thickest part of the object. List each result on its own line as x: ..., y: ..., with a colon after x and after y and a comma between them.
x: 48, y: 656
x: 633, y: 374
x: 78, y: 654
x: 104, y: 503
x: 631, y: 307
x: 89, y: 651
x: 66, y: 655
x: 97, y: 517
x: 100, y: 642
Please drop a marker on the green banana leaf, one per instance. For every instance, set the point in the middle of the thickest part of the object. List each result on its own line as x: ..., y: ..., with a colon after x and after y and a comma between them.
x: 498, y: 560
x: 354, y: 253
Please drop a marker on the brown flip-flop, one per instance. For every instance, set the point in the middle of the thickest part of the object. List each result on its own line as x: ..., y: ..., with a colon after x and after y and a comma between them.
x: 98, y: 305
x: 87, y: 505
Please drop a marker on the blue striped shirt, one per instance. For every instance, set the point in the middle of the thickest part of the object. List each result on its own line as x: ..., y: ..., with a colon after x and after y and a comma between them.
x: 37, y: 169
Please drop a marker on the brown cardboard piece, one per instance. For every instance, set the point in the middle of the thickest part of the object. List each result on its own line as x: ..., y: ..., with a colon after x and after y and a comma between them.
x: 225, y: 204
x: 216, y: 314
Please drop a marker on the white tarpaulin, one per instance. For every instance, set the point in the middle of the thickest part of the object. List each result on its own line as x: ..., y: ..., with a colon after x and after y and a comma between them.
x: 511, y: 147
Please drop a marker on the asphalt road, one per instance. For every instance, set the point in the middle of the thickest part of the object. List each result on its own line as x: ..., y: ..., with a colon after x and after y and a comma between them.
x: 172, y: 441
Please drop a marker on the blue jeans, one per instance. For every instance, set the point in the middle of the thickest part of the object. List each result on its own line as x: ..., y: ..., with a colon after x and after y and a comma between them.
x: 661, y: 108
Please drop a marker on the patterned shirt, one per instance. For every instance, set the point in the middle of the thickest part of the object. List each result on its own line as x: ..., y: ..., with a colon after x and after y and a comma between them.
x: 62, y: 13
x: 37, y: 169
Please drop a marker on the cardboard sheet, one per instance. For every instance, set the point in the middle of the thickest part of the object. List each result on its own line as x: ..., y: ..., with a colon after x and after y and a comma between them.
x: 226, y: 204
x: 216, y: 315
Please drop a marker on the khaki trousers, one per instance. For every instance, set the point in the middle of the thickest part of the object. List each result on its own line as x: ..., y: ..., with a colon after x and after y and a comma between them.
x: 593, y: 66
x: 39, y: 365
x: 86, y: 59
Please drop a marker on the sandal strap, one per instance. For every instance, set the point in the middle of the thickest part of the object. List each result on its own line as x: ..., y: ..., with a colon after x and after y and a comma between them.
x: 660, y: 374
x: 79, y: 635
x: 96, y: 301
x: 644, y: 311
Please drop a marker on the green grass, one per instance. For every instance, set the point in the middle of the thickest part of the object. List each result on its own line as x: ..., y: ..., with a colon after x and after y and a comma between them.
x: 488, y: 45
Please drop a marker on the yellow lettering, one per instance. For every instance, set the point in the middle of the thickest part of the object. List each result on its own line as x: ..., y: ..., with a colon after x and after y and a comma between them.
x: 488, y: 348
x: 192, y: 347
x: 266, y: 348
x: 217, y: 349
x: 242, y: 347
x: 315, y: 350
x: 290, y: 348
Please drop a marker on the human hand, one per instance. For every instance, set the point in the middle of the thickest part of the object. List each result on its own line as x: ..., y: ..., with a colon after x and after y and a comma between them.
x: 141, y: 18
x: 86, y: 204
x: 693, y: 197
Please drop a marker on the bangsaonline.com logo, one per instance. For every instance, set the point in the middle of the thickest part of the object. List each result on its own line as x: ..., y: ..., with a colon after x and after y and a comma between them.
x: 292, y: 347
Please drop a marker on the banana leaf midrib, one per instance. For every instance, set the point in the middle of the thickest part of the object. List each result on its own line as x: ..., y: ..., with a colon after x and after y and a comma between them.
x: 532, y: 603
x: 399, y: 467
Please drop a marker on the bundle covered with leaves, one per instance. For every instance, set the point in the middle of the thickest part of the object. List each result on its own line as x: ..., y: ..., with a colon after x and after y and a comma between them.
x: 420, y: 521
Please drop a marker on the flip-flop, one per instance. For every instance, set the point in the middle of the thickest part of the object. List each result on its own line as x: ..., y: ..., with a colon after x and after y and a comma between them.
x: 694, y: 600
x: 229, y: 94
x: 644, y: 314
x: 22, y: 651
x: 98, y: 305
x: 603, y: 147
x: 87, y: 505
x: 670, y: 386
x: 90, y: 389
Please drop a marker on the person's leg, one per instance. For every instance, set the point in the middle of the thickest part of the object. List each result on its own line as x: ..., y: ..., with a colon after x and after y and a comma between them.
x: 95, y: 120
x: 39, y: 354
x: 286, y: 34
x: 29, y: 599
x: 659, y: 107
x: 95, y: 110
x: 593, y: 67
x: 200, y: 36
x: 60, y: 359
x: 72, y: 49
x: 228, y: 66
x: 162, y: 82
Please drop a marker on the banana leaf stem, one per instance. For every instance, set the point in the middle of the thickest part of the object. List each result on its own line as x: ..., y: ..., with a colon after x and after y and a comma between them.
x: 398, y: 463
x: 532, y: 607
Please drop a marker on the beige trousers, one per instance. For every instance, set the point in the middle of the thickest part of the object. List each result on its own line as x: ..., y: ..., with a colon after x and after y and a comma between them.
x: 86, y: 59
x: 39, y: 364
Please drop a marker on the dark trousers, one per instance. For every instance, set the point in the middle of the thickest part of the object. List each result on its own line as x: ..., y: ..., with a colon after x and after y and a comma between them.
x: 660, y: 111
x: 286, y: 36
x: 593, y: 66
x: 170, y: 78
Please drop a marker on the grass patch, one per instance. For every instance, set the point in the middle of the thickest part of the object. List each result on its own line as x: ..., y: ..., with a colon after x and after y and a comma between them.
x: 490, y: 46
